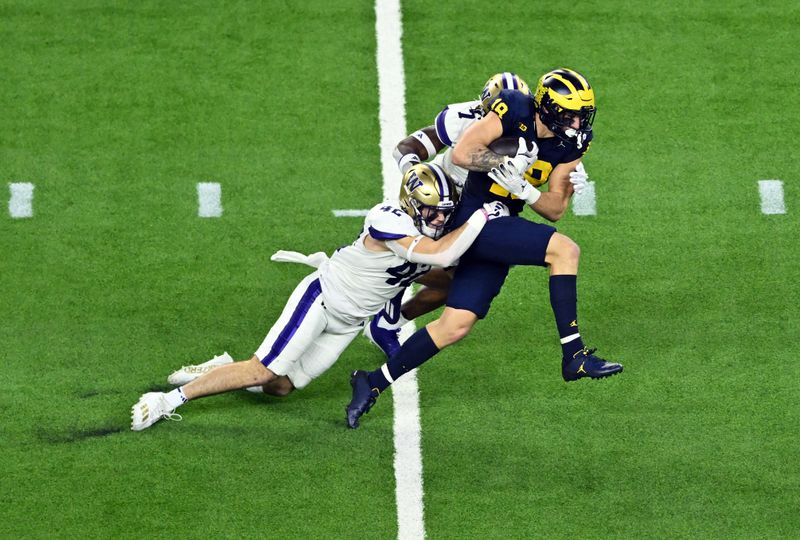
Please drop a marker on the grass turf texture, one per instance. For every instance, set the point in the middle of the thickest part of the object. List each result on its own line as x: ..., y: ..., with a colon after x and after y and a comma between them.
x: 116, y: 113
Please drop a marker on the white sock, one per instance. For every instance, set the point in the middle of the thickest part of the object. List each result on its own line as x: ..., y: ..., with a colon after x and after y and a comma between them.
x: 176, y: 398
x: 255, y: 389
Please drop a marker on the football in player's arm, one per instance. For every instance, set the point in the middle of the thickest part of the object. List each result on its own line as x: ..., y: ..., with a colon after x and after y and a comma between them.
x: 511, y: 114
x: 399, y: 243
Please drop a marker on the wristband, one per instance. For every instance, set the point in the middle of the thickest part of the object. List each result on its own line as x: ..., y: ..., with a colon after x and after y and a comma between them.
x: 533, y: 196
x: 407, y: 161
x: 426, y: 141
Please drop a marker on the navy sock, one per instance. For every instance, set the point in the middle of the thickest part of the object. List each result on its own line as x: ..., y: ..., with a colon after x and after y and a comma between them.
x: 414, y: 352
x: 564, y: 301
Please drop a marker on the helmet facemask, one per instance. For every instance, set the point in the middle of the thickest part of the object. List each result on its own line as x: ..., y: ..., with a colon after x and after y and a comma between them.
x: 561, y: 121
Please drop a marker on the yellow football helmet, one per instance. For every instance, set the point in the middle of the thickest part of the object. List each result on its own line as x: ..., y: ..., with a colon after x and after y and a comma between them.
x: 562, y: 96
x: 501, y: 81
x: 429, y: 196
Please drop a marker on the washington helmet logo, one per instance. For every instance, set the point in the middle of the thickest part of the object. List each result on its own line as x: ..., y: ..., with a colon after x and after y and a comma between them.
x: 413, y: 182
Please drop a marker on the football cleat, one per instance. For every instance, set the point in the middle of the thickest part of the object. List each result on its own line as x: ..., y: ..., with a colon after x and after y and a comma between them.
x: 363, y: 398
x: 151, y: 408
x: 387, y: 340
x: 585, y: 364
x: 189, y: 373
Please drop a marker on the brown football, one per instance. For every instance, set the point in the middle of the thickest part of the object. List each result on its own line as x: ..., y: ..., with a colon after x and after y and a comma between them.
x: 505, y: 146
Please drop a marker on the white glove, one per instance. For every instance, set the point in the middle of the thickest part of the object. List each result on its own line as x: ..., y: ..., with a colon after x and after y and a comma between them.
x: 579, y: 179
x: 515, y: 184
x: 494, y: 210
x: 524, y: 158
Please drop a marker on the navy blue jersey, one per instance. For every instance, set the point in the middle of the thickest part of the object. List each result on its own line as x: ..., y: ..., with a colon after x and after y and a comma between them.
x: 516, y: 112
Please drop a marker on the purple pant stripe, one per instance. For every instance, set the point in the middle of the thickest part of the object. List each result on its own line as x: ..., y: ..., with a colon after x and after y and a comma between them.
x: 294, y: 323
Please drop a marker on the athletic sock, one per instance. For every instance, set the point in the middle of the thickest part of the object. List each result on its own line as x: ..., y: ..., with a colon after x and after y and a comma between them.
x: 414, y: 352
x: 176, y: 398
x: 564, y: 301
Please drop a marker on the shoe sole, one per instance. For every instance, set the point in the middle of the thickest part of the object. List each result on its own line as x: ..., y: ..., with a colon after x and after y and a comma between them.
x: 606, y: 376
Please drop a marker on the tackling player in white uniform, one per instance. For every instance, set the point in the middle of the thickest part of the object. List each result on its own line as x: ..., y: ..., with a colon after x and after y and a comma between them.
x: 399, y: 243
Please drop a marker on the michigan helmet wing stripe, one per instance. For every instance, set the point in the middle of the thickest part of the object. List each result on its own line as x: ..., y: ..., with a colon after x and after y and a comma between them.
x: 575, y: 79
x: 559, y: 86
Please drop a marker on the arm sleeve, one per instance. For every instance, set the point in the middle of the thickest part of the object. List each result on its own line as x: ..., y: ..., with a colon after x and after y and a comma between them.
x: 451, y: 254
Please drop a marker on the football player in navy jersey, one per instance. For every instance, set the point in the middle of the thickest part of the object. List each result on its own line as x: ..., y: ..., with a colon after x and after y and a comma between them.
x: 554, y: 130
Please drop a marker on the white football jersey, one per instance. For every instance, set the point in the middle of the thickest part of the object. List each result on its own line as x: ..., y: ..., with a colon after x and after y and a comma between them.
x: 356, y: 282
x: 450, y: 124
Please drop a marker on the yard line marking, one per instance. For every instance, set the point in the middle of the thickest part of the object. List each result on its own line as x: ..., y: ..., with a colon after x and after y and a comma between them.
x: 771, y: 192
x: 20, y: 205
x: 391, y: 89
x: 350, y: 213
x: 585, y: 203
x: 405, y: 392
x: 209, y: 198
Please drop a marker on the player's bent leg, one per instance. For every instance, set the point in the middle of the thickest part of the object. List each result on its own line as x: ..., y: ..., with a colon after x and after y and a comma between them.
x: 454, y: 325
x: 229, y: 377
x: 278, y: 387
x: 153, y: 406
x: 384, y: 328
x: 562, y: 255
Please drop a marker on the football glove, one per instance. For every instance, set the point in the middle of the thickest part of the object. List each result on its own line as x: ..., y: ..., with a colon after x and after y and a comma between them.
x: 514, y: 183
x: 524, y: 158
x: 494, y: 210
x: 579, y: 179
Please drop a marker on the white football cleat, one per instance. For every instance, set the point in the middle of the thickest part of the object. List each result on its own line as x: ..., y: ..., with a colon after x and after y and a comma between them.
x: 189, y: 373
x: 151, y: 408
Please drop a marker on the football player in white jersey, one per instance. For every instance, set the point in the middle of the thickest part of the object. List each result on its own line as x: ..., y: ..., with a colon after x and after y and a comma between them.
x: 400, y: 242
x: 427, y: 144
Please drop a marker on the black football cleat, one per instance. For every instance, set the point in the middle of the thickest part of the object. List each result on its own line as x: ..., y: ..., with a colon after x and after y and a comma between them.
x: 363, y: 398
x: 585, y: 364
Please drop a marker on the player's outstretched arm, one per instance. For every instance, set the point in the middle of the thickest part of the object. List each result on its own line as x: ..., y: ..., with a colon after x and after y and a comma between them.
x: 420, y: 146
x: 447, y: 250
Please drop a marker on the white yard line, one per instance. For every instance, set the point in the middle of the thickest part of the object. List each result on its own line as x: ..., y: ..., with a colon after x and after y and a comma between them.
x: 771, y: 192
x: 209, y: 199
x: 350, y: 213
x: 585, y: 204
x: 405, y: 392
x: 20, y: 205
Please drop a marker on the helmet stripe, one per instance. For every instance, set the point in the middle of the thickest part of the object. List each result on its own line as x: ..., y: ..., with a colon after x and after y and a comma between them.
x: 557, y: 84
x: 508, y: 80
x: 573, y: 78
x: 444, y: 187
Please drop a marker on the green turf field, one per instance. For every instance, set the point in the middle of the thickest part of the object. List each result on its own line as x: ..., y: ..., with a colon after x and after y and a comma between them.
x: 115, y: 111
